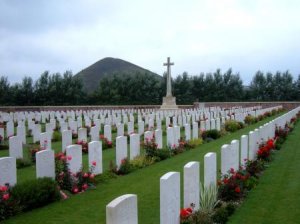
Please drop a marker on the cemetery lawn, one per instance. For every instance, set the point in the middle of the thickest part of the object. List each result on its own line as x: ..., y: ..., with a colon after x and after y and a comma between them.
x: 90, y: 206
x: 276, y: 199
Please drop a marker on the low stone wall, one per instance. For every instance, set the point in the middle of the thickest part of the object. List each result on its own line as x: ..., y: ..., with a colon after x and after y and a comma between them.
x: 286, y: 105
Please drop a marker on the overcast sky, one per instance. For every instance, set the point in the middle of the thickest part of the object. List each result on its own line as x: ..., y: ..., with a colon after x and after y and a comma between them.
x: 198, y: 35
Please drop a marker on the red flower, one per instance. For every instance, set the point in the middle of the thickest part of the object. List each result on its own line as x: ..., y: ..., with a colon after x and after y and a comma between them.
x: 185, y: 212
x: 69, y: 158
x: 189, y: 210
x: 5, y: 197
x: 237, y: 190
x: 92, y: 176
x: 94, y: 163
x: 3, y: 188
x: 270, y: 143
x: 225, y: 181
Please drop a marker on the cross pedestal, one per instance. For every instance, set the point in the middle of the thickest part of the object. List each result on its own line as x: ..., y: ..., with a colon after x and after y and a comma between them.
x: 169, y: 103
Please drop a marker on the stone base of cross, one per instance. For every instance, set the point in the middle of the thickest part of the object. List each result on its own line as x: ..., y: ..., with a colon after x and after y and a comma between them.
x: 169, y: 103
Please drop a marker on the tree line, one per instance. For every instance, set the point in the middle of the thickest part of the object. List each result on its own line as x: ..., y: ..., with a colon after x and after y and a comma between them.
x: 143, y: 89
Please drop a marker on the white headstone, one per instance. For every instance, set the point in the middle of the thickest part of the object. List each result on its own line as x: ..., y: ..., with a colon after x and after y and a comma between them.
x: 212, y: 124
x: 191, y: 185
x: 141, y: 127
x: 15, y: 147
x: 177, y: 135
x: 95, y: 133
x: 95, y: 156
x: 130, y: 127
x: 107, y: 132
x: 207, y: 125
x: 187, y: 128
x: 120, y: 129
x: 170, y: 137
x: 21, y: 132
x: 252, y: 145
x: 8, y: 171
x: 10, y: 129
x: 195, y: 130
x: 82, y: 134
x: 218, y: 124
x: 158, y: 138
x: 36, y: 133
x: 170, y: 198
x: 66, y: 139
x: 122, y: 210
x: 74, y: 152
x: 210, y: 169
x: 45, y: 140
x: 134, y: 145
x: 121, y: 149
x: 45, y: 164
x: 148, y: 136
x: 244, y: 148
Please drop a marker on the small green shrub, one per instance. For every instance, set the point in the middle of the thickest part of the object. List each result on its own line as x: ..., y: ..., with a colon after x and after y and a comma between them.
x: 232, y: 126
x: 195, y: 142
x: 56, y: 136
x: 199, y: 217
x: 163, y: 154
x: 23, y: 163
x: 124, y: 168
x: 220, y: 215
x: 249, y: 120
x: 35, y: 193
x: 214, y: 134
x: 142, y: 161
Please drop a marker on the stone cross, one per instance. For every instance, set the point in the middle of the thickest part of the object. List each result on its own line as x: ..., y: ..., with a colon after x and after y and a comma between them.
x: 169, y: 86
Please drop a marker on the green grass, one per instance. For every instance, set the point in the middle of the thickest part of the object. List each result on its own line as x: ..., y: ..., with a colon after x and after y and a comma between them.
x: 90, y: 206
x: 277, y: 196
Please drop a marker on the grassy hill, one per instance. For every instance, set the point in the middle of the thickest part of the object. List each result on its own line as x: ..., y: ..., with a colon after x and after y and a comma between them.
x: 92, y: 75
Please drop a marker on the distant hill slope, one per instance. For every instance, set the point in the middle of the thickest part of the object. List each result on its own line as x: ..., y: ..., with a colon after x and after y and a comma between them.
x: 92, y: 75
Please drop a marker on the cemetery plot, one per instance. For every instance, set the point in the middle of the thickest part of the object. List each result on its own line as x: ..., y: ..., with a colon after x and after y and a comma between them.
x: 78, y: 159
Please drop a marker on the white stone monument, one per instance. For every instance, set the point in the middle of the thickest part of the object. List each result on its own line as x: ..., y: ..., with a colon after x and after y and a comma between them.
x: 169, y: 101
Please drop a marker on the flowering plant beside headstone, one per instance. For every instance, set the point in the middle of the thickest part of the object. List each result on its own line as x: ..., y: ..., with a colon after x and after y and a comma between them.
x: 84, y: 145
x: 106, y: 144
x: 72, y: 182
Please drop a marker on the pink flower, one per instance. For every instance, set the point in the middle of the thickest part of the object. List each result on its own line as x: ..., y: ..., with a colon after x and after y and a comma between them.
x: 64, y: 196
x: 84, y: 187
x: 85, y: 175
x: 75, y: 190
x: 5, y: 197
x: 69, y: 158
x: 94, y: 163
x: 92, y: 176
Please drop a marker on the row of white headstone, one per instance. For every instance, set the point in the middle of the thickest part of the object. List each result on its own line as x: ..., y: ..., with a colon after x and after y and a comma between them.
x: 124, y: 209
x: 45, y: 162
x: 124, y: 115
x: 178, y: 119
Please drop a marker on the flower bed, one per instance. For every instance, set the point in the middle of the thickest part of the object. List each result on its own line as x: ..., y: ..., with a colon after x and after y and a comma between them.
x: 234, y: 186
